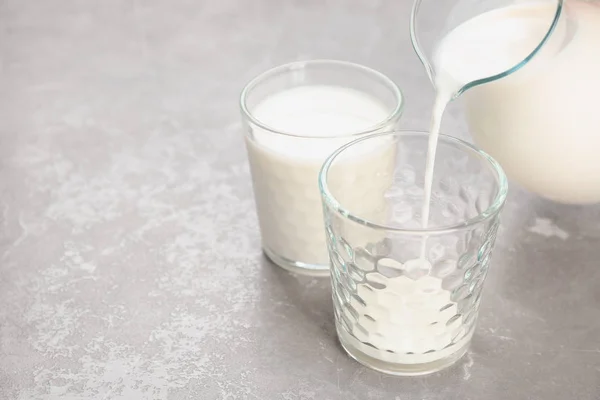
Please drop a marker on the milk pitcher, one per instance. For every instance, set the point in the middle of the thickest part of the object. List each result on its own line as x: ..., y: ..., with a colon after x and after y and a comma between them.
x: 529, y: 75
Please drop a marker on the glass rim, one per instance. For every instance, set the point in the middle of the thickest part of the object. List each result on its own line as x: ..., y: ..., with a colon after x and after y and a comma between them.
x: 492, y: 210
x: 297, y: 65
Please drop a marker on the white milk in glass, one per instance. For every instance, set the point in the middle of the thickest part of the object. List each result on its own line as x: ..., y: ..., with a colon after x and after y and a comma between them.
x: 540, y: 122
x: 285, y: 168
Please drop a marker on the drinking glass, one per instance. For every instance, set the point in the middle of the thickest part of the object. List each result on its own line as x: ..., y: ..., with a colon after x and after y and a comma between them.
x: 406, y: 298
x: 294, y: 116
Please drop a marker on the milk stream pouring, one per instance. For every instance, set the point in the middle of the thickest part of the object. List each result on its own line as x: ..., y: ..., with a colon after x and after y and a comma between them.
x: 530, y: 73
x: 458, y: 62
x: 505, y: 118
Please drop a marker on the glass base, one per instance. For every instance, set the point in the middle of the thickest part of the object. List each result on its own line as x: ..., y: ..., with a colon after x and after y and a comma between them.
x: 415, y: 365
x: 297, y: 267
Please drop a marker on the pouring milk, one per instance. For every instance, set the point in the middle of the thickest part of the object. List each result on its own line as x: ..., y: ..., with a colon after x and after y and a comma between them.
x: 514, y: 118
x: 540, y: 122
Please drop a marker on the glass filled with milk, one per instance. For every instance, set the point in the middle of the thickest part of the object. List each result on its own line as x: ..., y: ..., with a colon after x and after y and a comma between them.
x: 528, y: 74
x: 295, y: 116
x: 406, y: 297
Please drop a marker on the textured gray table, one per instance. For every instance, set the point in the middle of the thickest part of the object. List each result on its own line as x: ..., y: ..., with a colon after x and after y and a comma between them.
x: 130, y: 261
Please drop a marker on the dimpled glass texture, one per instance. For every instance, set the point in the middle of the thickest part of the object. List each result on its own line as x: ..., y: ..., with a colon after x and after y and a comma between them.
x: 406, y: 299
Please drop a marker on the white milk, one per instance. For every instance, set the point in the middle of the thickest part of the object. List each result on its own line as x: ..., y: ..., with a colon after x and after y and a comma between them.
x: 285, y: 168
x: 541, y: 123
x: 413, y: 318
x: 409, y: 322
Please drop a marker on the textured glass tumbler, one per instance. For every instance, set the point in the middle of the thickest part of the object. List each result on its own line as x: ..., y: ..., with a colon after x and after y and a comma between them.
x: 295, y: 116
x: 406, y: 299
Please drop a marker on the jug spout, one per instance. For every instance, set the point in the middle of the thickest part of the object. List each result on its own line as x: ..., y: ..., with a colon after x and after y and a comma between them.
x: 476, y: 44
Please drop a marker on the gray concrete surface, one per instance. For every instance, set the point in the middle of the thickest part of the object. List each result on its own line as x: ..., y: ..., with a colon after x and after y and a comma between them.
x: 130, y: 260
